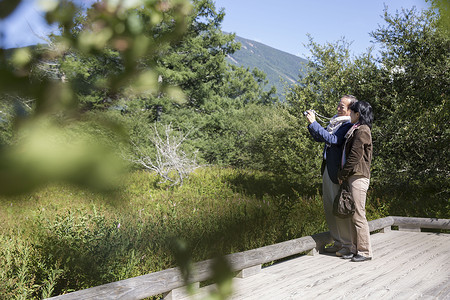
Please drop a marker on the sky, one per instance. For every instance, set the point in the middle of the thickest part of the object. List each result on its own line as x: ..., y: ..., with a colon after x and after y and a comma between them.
x: 281, y: 24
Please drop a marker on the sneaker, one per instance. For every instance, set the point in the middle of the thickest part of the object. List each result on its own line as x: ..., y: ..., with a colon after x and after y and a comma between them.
x: 360, y: 258
x: 344, y: 251
x: 332, y: 249
x: 348, y: 256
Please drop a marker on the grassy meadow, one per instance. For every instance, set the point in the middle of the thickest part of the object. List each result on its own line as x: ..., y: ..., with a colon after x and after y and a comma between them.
x: 60, y: 238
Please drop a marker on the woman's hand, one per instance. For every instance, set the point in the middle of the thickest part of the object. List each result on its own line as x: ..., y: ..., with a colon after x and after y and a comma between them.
x: 340, y: 181
x: 311, y: 117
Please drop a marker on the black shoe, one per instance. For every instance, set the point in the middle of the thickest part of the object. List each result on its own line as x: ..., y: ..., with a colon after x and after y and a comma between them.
x: 332, y: 249
x: 344, y: 252
x: 360, y: 258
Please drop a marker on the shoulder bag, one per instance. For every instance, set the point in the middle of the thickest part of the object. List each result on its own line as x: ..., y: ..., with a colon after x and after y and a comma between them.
x: 344, y: 205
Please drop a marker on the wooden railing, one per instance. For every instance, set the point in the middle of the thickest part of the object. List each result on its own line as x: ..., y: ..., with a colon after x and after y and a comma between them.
x: 170, y: 282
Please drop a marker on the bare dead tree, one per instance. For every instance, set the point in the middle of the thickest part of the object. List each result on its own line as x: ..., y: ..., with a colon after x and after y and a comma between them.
x: 170, y: 161
x: 49, y: 65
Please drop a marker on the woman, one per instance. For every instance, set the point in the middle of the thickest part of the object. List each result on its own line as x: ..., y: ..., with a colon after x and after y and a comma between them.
x: 356, y: 159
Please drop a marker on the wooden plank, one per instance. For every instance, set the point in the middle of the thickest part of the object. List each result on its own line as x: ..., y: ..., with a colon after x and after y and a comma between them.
x: 398, y: 272
x: 249, y: 272
x: 405, y: 265
x: 314, y: 275
x: 406, y: 243
x: 368, y: 279
x: 167, y: 280
x: 431, y: 263
x: 400, y: 256
x: 133, y: 288
x: 164, y: 281
x: 285, y: 286
x: 269, y: 253
x: 287, y: 275
x: 380, y: 223
x: 412, y: 228
x: 181, y: 292
x: 432, y: 223
x: 386, y: 229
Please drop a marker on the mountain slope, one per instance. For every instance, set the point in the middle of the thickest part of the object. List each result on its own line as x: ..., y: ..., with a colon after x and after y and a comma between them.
x: 279, y: 66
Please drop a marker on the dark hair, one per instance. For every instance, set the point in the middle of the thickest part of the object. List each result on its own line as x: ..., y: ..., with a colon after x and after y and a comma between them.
x: 365, y: 112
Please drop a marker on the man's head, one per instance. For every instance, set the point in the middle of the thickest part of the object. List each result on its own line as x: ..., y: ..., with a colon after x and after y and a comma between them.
x: 343, y: 108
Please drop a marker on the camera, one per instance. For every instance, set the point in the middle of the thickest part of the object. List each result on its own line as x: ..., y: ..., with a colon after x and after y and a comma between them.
x: 305, y: 113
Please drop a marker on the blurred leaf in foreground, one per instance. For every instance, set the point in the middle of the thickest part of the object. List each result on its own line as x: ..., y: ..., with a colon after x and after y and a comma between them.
x: 50, y: 141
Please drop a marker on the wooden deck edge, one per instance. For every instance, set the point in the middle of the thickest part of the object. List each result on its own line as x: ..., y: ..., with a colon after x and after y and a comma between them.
x: 381, y: 224
x: 416, y: 224
x: 170, y: 279
x: 430, y: 223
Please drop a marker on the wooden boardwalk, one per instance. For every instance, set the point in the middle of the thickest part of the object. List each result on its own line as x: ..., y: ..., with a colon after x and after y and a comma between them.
x: 406, y: 265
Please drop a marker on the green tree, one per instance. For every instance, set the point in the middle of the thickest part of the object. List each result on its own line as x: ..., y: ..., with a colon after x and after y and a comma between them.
x: 214, y: 90
x: 56, y: 141
x: 247, y: 87
x: 408, y: 87
x: 197, y: 62
x: 333, y: 72
x: 412, y: 134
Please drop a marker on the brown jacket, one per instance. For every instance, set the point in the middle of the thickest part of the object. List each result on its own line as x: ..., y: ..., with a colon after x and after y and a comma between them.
x: 358, y: 153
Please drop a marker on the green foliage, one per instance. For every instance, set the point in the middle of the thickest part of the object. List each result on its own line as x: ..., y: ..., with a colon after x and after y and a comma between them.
x: 408, y: 89
x: 116, y: 68
x: 18, y: 267
x: 333, y: 73
x: 197, y: 63
x: 412, y: 134
x: 46, y: 147
x: 247, y: 87
x: 443, y: 7
x: 130, y: 59
x: 6, y: 115
x: 72, y: 153
x: 62, y: 238
x: 270, y: 139
x: 253, y: 136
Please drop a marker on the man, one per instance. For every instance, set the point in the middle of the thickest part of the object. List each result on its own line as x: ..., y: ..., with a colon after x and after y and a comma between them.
x: 333, y: 136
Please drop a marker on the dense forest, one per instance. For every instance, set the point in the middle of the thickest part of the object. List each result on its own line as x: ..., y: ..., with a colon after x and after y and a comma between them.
x: 132, y: 115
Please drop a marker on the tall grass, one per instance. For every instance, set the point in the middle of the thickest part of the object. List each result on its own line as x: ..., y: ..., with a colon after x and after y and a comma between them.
x: 61, y: 239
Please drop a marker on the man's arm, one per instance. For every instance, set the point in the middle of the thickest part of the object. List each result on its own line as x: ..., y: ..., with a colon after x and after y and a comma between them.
x: 314, y: 133
x: 320, y: 134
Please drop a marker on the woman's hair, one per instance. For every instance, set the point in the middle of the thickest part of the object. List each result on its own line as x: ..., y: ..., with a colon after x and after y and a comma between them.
x: 365, y: 112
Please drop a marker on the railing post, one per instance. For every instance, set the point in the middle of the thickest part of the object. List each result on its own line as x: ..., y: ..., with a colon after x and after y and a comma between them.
x: 409, y: 227
x: 180, y: 293
x: 386, y: 229
x: 313, y: 252
x: 249, y: 271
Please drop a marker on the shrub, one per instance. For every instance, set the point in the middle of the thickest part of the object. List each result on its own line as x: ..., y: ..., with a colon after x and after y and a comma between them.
x: 75, y: 239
